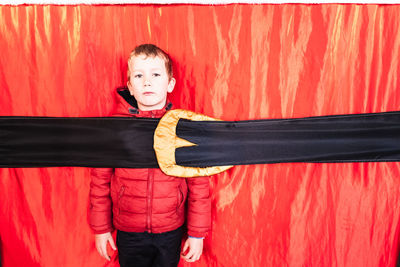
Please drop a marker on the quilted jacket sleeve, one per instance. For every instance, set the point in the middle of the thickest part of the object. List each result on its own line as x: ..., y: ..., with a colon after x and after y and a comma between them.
x: 100, y: 210
x: 199, y: 206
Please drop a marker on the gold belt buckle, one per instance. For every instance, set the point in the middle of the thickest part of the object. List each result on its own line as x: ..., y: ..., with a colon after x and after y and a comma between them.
x: 166, y: 142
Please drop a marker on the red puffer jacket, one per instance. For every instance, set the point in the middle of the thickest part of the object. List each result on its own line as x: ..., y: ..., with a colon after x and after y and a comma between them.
x: 146, y: 199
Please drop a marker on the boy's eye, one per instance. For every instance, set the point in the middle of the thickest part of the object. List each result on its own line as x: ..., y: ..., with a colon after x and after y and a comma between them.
x: 138, y: 76
x: 156, y: 74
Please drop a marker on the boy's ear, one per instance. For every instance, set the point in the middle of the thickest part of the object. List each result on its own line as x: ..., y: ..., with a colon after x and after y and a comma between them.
x: 129, y: 87
x: 171, y: 85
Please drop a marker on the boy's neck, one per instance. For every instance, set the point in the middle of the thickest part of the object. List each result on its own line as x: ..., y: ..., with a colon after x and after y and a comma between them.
x: 146, y: 109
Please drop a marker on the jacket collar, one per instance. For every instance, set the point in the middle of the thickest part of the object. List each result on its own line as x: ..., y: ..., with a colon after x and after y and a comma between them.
x: 127, y: 106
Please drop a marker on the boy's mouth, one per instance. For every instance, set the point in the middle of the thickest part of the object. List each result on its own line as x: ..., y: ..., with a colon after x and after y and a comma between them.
x: 148, y: 93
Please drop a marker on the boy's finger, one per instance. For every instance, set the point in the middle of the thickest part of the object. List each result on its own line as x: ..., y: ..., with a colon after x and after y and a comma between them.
x: 185, y: 247
x: 104, y: 251
x: 189, y: 255
x: 98, y: 250
x: 101, y: 253
x: 112, y: 244
x: 188, y: 259
x: 197, y: 256
x: 185, y: 256
x: 191, y: 260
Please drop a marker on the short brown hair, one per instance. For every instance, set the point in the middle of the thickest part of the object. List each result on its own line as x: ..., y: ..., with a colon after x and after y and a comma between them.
x: 152, y: 51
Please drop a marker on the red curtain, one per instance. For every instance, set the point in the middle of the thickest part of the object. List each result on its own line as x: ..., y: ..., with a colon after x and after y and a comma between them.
x: 233, y: 62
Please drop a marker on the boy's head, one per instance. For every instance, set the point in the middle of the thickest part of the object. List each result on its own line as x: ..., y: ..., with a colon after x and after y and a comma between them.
x: 150, y: 76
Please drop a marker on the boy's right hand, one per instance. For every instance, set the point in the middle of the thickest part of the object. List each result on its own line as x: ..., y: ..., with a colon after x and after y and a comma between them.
x: 101, y: 244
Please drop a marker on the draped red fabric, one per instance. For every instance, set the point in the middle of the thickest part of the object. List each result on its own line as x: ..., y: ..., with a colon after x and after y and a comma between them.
x: 233, y: 62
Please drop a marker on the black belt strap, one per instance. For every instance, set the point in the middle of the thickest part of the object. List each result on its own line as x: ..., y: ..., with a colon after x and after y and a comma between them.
x: 128, y: 142
x: 84, y: 142
x: 344, y: 138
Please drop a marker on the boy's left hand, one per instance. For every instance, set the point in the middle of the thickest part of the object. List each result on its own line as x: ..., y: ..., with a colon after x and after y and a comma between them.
x: 195, y: 246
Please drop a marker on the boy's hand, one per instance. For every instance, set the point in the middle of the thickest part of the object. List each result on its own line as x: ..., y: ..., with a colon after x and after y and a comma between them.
x: 101, y: 244
x: 195, y: 246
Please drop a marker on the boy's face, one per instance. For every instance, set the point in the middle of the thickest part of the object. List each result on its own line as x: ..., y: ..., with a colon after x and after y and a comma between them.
x: 149, y: 82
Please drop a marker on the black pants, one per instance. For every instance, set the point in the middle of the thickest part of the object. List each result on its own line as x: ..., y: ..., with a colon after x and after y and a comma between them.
x: 148, y: 249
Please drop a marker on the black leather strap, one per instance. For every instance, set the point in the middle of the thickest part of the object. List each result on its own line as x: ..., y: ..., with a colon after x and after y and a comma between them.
x: 344, y: 138
x: 128, y: 142
x: 86, y: 142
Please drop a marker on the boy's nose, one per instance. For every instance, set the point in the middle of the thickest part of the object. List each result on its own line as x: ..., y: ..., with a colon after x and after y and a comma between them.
x: 147, y: 82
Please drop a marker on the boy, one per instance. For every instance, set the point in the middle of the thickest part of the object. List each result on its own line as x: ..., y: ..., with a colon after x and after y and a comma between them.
x: 146, y: 206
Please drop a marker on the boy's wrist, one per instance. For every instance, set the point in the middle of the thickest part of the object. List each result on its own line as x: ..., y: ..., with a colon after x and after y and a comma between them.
x: 195, y: 237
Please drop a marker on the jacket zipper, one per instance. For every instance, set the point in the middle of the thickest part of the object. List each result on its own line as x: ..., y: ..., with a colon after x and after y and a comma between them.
x: 150, y: 181
x: 121, y: 192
